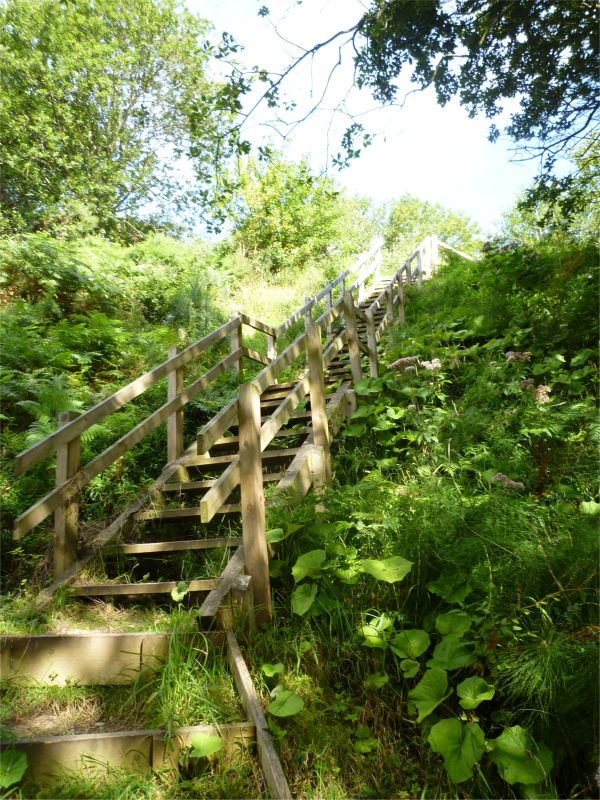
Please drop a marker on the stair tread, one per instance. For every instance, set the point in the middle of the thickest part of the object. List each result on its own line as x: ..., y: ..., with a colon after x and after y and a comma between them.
x: 182, y: 544
x: 160, y: 587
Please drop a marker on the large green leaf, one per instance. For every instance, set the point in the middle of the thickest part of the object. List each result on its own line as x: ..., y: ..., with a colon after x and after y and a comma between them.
x: 410, y: 643
x: 373, y: 631
x: 474, y: 691
x: 461, y: 746
x: 286, y: 704
x: 389, y: 570
x: 308, y: 564
x: 203, y: 745
x: 453, y: 588
x: 409, y: 667
x: 179, y: 592
x: 455, y: 621
x: 303, y: 597
x: 519, y: 759
x: 429, y: 692
x: 13, y: 766
x: 376, y: 680
x: 270, y: 670
x: 451, y: 653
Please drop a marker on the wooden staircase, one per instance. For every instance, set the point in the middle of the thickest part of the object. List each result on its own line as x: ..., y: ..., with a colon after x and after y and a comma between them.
x: 208, y: 500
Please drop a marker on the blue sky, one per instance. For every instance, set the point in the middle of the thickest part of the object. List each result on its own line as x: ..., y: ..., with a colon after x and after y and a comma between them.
x: 437, y: 154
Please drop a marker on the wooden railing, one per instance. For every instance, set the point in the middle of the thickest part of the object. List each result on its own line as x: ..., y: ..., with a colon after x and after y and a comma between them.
x: 338, y: 322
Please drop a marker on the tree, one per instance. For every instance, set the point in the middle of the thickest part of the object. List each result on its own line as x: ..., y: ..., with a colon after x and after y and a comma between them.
x: 410, y: 220
x: 284, y: 214
x: 488, y: 53
x: 93, y: 97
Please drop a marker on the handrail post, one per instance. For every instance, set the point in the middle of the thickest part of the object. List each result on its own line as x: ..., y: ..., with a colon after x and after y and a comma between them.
x: 235, y: 342
x: 353, y: 347
x: 175, y: 420
x: 371, y: 343
x: 318, y: 408
x: 256, y: 555
x: 66, y: 517
x: 329, y: 301
x: 389, y: 293
x: 401, y: 316
x: 272, y: 347
x: 419, y: 267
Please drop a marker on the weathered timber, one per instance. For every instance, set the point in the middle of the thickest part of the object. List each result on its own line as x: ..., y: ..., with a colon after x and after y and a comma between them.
x: 93, y: 658
x: 180, y: 545
x: 236, y: 343
x: 48, y: 445
x: 66, y: 517
x: 140, y: 751
x: 162, y: 587
x: 258, y: 326
x: 317, y: 402
x: 352, y: 336
x: 372, y: 345
x: 44, y: 507
x: 253, y: 501
x: 217, y: 426
x: 269, y: 760
x: 253, y: 355
x: 268, y: 455
x: 234, y: 567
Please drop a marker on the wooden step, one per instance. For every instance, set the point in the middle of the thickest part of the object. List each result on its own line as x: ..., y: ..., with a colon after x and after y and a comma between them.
x: 162, y: 587
x: 181, y: 545
x: 268, y: 455
x: 186, y: 513
x: 192, y: 486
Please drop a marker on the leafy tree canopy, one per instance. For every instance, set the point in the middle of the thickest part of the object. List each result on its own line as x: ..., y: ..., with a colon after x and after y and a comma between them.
x: 93, y: 97
x: 410, y: 220
x: 285, y: 214
x: 535, y: 59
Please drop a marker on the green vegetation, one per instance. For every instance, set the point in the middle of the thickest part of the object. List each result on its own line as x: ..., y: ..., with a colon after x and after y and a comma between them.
x: 470, y: 470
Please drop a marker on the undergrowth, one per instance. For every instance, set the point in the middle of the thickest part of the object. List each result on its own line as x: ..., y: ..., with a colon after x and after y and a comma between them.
x: 468, y: 474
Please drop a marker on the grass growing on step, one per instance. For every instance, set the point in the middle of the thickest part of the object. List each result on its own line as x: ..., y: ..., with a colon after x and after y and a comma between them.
x: 236, y: 778
x: 192, y: 687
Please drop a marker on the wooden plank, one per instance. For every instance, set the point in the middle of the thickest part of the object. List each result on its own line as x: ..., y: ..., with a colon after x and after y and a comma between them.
x: 253, y: 355
x: 198, y: 485
x: 284, y: 359
x: 46, y: 505
x: 218, y: 494
x: 298, y: 479
x: 212, y: 603
x: 44, y: 448
x: 268, y: 455
x: 258, y: 326
x: 352, y: 337
x: 253, y: 501
x: 372, y: 345
x: 162, y: 587
x: 282, y: 412
x: 66, y: 517
x: 139, y: 751
x: 269, y: 760
x: 181, y: 545
x: 217, y: 426
x: 213, y: 500
x: 317, y: 401
x: 85, y: 658
x: 175, y: 420
x: 119, y: 527
x: 236, y: 343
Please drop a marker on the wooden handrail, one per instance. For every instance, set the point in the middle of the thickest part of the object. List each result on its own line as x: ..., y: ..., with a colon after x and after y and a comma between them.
x: 178, y: 397
x: 38, y: 451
